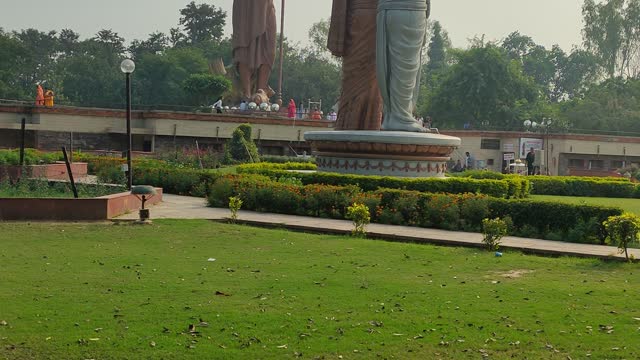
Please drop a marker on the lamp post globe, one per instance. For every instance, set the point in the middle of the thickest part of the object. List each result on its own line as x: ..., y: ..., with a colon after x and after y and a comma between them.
x: 127, y: 66
x: 527, y: 123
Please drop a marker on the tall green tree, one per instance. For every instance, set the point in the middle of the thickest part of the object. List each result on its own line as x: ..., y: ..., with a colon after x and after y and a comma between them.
x: 438, y: 54
x: 156, y: 43
x: 485, y: 89
x: 437, y: 50
x: 202, y: 22
x: 612, y: 32
x: 13, y: 55
x: 610, y: 106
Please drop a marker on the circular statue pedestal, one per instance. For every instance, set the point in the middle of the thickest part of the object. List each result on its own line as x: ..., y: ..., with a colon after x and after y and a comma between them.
x: 383, y: 153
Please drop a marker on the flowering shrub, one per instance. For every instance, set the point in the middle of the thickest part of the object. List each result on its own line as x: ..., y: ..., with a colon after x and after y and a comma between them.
x: 235, y: 203
x: 359, y: 214
x: 402, y: 207
x: 493, y: 231
x: 623, y: 230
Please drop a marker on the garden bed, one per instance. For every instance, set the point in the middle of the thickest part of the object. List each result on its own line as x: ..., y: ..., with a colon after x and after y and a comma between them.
x: 67, y: 209
x: 55, y: 171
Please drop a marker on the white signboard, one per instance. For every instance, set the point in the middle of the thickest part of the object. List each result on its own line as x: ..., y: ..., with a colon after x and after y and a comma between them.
x: 509, y: 156
x: 527, y: 143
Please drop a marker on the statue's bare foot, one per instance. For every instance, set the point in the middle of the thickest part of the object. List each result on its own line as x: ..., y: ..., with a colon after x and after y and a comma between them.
x: 409, y: 127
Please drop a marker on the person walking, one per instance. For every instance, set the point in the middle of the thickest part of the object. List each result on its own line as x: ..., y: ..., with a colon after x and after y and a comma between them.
x: 218, y: 105
x: 468, y: 161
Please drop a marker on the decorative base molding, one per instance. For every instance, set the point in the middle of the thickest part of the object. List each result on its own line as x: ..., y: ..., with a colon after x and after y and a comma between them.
x: 381, y: 167
x: 383, y: 153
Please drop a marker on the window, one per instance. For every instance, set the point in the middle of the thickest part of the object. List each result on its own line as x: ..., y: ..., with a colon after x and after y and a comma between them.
x: 576, y: 163
x: 617, y: 164
x: 490, y: 144
x: 596, y: 164
x: 490, y: 162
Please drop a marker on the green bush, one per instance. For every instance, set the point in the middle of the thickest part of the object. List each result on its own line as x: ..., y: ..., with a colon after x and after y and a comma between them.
x: 493, y: 230
x: 616, y: 187
x: 526, y: 218
x: 31, y: 157
x: 265, y: 166
x: 590, y: 187
x: 508, y: 188
x: 241, y: 148
x: 287, y: 159
x: 623, y: 230
x: 359, y: 214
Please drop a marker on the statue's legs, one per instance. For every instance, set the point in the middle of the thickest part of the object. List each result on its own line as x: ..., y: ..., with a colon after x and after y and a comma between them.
x: 264, y: 71
x: 401, y: 36
x: 245, y: 80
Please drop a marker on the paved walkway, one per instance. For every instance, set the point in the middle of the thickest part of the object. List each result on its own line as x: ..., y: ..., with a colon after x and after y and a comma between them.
x: 183, y: 207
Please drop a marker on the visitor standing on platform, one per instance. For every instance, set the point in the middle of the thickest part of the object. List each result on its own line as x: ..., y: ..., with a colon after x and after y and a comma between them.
x: 292, y: 109
x: 530, y: 160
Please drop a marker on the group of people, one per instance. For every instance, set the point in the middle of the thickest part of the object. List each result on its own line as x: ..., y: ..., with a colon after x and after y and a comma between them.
x: 468, y: 163
x: 44, y: 98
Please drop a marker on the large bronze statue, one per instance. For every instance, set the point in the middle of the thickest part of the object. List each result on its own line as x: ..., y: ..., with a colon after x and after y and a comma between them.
x: 352, y: 36
x: 254, y: 44
x: 401, y: 35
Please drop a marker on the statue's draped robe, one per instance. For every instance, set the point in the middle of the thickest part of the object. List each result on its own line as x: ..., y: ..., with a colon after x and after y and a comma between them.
x: 254, y: 33
x: 401, y: 35
x: 352, y: 36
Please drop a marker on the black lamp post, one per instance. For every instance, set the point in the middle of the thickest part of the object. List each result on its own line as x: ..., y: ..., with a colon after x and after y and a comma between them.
x: 544, y: 127
x: 128, y: 66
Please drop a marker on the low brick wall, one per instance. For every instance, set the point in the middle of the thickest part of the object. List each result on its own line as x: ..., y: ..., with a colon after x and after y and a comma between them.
x: 96, y: 209
x: 57, y: 171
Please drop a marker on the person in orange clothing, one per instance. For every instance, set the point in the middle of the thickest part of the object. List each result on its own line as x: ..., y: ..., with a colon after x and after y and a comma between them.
x: 316, y: 115
x: 39, y: 96
x: 48, y: 98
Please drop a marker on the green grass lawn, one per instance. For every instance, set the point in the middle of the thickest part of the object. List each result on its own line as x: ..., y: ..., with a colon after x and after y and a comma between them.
x: 630, y: 205
x: 122, y: 291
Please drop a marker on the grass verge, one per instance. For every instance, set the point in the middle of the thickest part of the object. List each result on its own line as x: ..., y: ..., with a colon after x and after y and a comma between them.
x: 629, y: 205
x: 120, y: 291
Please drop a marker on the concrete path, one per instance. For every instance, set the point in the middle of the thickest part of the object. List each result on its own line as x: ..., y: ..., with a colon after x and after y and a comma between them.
x: 183, y: 207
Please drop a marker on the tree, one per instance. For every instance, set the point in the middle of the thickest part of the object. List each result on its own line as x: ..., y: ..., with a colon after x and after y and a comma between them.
x: 159, y: 78
x: 12, y: 57
x: 612, y: 33
x: 204, y: 89
x: 68, y: 40
x: 612, y: 105
x: 438, y: 63
x: 536, y: 61
x: 157, y: 43
x: 437, y: 50
x: 38, y: 63
x: 318, y: 37
x: 574, y: 73
x: 203, y: 22
x: 309, y: 76
x: 485, y: 89
x: 241, y: 148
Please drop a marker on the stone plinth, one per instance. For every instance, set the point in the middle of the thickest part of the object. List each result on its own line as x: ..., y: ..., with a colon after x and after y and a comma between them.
x: 385, y: 153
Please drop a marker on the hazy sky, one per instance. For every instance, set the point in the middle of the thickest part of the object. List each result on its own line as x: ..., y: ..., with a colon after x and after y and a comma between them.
x: 547, y: 21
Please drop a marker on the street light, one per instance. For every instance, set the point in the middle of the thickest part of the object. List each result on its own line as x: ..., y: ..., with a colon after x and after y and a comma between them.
x: 128, y: 67
x: 544, y: 127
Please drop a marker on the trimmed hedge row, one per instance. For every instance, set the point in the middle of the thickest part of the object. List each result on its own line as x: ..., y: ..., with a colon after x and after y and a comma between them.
x: 550, y: 220
x: 276, y: 166
x: 567, y: 185
x: 188, y: 182
x: 507, y: 188
x: 575, y: 186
